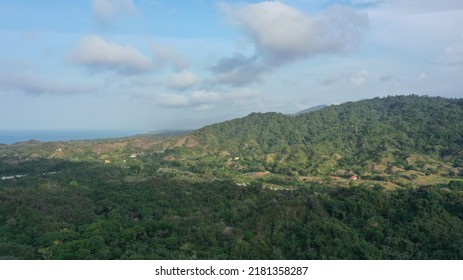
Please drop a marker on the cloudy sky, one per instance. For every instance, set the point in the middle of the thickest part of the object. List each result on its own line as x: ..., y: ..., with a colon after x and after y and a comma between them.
x: 181, y: 64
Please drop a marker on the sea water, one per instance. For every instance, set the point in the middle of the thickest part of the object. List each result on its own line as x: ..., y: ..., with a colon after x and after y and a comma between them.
x: 14, y: 136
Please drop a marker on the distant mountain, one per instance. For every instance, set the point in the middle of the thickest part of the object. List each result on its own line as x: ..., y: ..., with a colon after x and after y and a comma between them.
x: 169, y: 133
x: 377, y: 138
x: 311, y: 109
x: 407, y: 132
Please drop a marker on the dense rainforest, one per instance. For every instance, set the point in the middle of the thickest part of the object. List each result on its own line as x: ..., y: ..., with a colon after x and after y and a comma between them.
x: 373, y: 179
x: 355, y: 135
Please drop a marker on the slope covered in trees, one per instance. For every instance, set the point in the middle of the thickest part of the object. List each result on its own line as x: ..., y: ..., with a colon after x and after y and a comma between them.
x: 267, y: 186
x: 351, y: 136
x: 70, y: 216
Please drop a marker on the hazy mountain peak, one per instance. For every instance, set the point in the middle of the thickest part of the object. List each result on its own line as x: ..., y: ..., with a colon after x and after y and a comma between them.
x: 311, y: 109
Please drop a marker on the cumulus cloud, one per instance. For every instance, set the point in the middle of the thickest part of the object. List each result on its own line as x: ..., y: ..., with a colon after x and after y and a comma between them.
x: 183, y: 80
x: 106, y: 9
x: 242, y: 97
x: 274, y: 27
x: 240, y: 70
x: 36, y: 85
x: 359, y: 79
x: 96, y: 53
x: 171, y: 100
x: 195, y: 99
x: 282, y: 34
x: 202, y: 99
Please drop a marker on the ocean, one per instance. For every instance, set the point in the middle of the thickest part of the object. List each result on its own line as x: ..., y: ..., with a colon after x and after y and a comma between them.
x: 14, y: 136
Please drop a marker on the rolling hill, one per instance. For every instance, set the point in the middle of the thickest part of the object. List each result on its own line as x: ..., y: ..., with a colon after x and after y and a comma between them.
x: 400, y: 137
x: 373, y: 179
x: 407, y: 132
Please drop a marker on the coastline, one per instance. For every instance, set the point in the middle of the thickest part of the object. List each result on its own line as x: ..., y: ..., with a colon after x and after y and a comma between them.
x: 14, y: 136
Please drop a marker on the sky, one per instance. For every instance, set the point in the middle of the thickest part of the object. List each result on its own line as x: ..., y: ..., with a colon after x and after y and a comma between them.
x: 150, y: 65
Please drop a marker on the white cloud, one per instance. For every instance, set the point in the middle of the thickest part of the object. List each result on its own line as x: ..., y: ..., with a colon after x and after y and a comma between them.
x: 240, y: 70
x: 202, y: 99
x: 242, y: 95
x: 423, y: 76
x: 341, y: 30
x: 268, y: 25
x: 281, y: 31
x: 359, y: 79
x: 36, y: 85
x: 282, y: 34
x: 106, y: 9
x: 96, y: 53
x: 183, y: 80
x: 194, y: 100
x: 172, y: 100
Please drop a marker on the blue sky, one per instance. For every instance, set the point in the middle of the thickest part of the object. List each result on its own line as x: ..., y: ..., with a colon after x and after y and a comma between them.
x: 170, y: 64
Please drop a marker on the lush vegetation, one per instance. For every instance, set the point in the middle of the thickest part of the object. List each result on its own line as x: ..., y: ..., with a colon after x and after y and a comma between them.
x: 108, y: 218
x: 267, y: 186
x: 351, y: 136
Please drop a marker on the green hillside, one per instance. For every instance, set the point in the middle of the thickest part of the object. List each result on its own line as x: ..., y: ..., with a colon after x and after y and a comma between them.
x: 373, y: 179
x: 407, y: 132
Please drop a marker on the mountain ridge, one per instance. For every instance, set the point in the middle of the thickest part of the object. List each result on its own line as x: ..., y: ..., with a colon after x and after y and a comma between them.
x: 353, y: 133
x: 311, y: 109
x: 374, y: 138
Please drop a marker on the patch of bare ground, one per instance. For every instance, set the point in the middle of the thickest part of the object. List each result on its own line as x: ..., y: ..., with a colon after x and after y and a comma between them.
x: 169, y: 158
x: 145, y: 143
x: 191, y: 142
x: 396, y: 169
x: 34, y: 155
x: 379, y: 168
x: 180, y: 142
x: 188, y: 142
